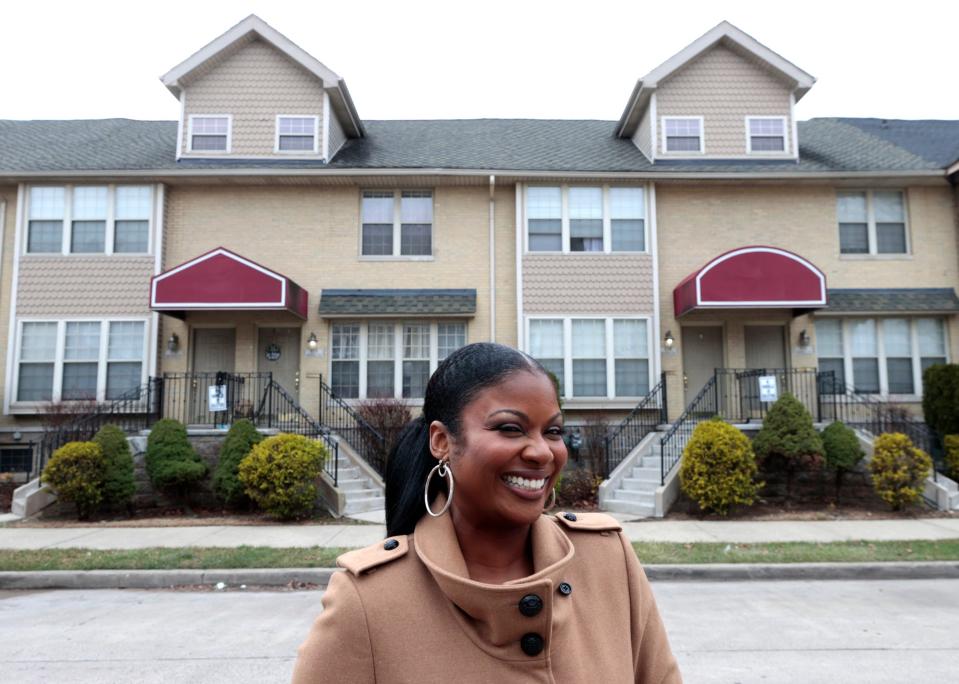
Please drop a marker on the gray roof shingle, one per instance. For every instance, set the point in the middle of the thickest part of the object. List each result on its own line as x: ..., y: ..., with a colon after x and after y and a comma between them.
x: 334, y: 302
x: 933, y: 300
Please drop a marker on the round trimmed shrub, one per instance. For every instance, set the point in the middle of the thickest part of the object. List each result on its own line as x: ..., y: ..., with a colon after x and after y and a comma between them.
x: 789, y: 437
x: 280, y: 474
x: 75, y: 471
x: 240, y: 440
x: 718, y: 468
x: 898, y: 469
x: 172, y: 464
x: 841, y: 449
x: 118, y: 483
x: 951, y: 444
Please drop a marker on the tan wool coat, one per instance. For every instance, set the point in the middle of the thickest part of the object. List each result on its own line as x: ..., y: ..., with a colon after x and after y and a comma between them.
x: 405, y: 610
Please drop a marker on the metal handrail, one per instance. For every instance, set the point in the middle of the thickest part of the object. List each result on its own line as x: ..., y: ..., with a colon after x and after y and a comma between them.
x: 282, y: 404
x: 350, y: 426
x: 623, y: 438
x: 670, y: 444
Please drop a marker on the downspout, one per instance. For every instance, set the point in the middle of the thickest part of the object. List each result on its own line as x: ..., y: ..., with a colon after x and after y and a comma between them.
x: 492, y: 258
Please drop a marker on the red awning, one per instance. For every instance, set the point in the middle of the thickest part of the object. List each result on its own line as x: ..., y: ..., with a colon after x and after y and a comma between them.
x: 752, y: 277
x: 222, y: 280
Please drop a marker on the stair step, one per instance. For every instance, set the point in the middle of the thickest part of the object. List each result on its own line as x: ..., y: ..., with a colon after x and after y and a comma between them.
x: 352, y: 485
x: 638, y: 496
x: 630, y: 507
x: 650, y: 460
x: 640, y: 473
x: 363, y: 505
x: 640, y: 484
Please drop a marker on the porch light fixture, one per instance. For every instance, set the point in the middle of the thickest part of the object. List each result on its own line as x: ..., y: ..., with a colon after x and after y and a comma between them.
x: 669, y: 340
x: 803, y: 338
x: 311, y: 343
x: 173, y: 344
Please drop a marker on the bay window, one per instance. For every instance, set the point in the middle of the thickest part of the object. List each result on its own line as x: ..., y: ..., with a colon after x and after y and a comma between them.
x: 585, y: 219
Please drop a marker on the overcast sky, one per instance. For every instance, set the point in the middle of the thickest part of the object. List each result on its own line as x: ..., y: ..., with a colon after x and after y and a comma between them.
x: 409, y: 59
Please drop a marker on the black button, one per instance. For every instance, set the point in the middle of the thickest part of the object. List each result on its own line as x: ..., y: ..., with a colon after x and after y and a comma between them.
x: 390, y: 544
x: 565, y: 588
x: 570, y: 516
x: 530, y: 605
x: 532, y: 644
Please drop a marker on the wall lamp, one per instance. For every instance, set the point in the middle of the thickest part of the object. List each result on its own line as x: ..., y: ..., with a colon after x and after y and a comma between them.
x: 669, y: 340
x: 173, y: 344
x: 311, y: 343
x: 803, y: 338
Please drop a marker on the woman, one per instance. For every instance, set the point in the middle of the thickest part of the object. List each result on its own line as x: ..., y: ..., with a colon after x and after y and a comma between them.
x: 474, y: 584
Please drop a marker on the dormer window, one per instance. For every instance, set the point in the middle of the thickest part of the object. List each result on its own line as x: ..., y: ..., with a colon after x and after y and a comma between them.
x: 765, y: 134
x: 683, y: 134
x: 210, y: 133
x: 296, y: 134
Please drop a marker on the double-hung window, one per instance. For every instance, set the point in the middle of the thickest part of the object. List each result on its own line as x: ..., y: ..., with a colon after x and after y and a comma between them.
x: 396, y: 223
x: 599, y: 219
x: 89, y: 219
x: 296, y: 134
x: 81, y: 360
x: 765, y: 134
x: 390, y: 359
x: 210, y: 133
x: 872, y: 222
x: 683, y: 134
x: 880, y: 355
x: 604, y: 358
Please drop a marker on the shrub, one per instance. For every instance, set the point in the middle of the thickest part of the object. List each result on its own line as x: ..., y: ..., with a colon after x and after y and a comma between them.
x: 940, y: 398
x: 718, y: 469
x: 75, y: 471
x: 898, y: 469
x: 172, y: 464
x: 241, y: 438
x: 788, y: 436
x: 387, y: 417
x: 842, y: 450
x: 280, y: 474
x: 593, y: 451
x: 951, y: 444
x: 578, y: 488
x: 118, y: 484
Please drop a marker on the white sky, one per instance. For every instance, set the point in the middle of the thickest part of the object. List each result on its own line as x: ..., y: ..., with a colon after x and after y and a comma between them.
x: 408, y: 59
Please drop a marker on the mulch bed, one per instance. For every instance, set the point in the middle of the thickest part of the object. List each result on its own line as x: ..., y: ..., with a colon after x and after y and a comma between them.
x: 177, y: 517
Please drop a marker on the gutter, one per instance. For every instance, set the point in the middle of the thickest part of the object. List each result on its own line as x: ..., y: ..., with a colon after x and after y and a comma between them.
x: 492, y: 258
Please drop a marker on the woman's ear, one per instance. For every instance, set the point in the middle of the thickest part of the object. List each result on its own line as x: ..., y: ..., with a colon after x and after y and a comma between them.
x: 441, y: 441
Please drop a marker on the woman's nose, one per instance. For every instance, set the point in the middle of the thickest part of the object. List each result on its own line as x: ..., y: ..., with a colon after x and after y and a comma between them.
x: 538, y: 450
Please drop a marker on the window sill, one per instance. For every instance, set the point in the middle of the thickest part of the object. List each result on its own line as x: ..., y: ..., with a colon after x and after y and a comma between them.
x: 590, y: 254
x: 875, y: 257
x: 583, y: 403
x: 395, y: 258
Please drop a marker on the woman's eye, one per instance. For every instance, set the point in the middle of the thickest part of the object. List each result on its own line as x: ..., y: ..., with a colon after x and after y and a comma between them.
x: 510, y: 427
x: 555, y: 432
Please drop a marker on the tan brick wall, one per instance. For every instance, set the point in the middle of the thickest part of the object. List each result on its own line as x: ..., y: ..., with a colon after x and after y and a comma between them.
x: 723, y: 87
x: 254, y: 84
x: 587, y: 283
x: 89, y: 285
x: 506, y: 265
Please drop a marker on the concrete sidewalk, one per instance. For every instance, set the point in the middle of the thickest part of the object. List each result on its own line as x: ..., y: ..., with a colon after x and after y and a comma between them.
x: 353, y: 536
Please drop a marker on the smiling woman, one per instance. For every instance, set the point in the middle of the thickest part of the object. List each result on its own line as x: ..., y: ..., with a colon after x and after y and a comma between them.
x: 475, y: 582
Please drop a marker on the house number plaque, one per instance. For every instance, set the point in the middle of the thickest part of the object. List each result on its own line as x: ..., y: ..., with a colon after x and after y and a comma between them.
x: 273, y: 352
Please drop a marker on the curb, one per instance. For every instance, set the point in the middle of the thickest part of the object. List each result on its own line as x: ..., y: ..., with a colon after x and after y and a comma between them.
x: 320, y: 577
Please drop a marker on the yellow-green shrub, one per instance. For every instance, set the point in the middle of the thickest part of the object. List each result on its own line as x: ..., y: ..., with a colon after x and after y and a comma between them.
x: 718, y: 468
x: 76, y: 472
x: 898, y: 469
x: 951, y: 443
x: 280, y: 473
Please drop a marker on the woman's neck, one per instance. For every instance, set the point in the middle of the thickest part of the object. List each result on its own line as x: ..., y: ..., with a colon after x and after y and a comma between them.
x: 493, y: 556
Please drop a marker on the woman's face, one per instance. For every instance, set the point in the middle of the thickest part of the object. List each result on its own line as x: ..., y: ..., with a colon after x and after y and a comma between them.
x: 508, y: 453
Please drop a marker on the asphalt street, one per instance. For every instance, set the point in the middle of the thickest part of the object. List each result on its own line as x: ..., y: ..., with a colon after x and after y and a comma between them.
x: 782, y: 632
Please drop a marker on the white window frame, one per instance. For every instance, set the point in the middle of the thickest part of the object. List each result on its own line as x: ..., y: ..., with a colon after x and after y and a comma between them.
x: 785, y: 151
x: 276, y: 137
x: 610, y: 352
x: 111, y: 220
x: 607, y: 219
x: 847, y: 357
x: 397, y: 324
x: 873, y: 252
x: 398, y: 227
x: 229, y: 133
x: 702, y: 135
x: 102, y: 360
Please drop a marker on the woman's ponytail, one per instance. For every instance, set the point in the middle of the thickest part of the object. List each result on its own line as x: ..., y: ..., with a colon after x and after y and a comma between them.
x: 409, y: 463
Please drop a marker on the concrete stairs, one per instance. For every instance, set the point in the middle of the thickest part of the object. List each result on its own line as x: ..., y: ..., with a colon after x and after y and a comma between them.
x: 361, y: 486
x: 636, y: 493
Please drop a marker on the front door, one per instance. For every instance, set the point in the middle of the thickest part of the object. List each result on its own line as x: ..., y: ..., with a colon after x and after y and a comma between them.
x: 278, y: 352
x: 214, y: 351
x: 765, y: 352
x: 702, y: 354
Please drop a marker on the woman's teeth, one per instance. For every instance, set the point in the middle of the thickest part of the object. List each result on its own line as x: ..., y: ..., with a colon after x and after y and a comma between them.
x: 523, y: 483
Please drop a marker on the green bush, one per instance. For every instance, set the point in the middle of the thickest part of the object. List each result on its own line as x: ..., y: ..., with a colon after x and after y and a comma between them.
x: 842, y: 450
x: 280, y: 474
x: 172, y: 464
x: 118, y: 484
x: 951, y: 444
x: 241, y: 438
x: 577, y: 487
x: 76, y: 471
x: 940, y: 398
x: 898, y: 469
x: 788, y: 437
x: 718, y: 469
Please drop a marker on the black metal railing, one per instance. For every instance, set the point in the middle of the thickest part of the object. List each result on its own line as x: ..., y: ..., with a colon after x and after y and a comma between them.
x: 740, y: 397
x: 643, y: 419
x: 186, y: 397
x: 704, y: 406
x: 350, y: 426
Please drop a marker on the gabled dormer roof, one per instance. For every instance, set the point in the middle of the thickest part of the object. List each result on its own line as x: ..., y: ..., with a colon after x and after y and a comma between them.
x: 255, y: 28
x: 723, y: 33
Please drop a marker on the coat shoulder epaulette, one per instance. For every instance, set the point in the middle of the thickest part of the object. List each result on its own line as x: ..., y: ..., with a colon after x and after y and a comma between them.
x: 375, y: 555
x: 588, y: 522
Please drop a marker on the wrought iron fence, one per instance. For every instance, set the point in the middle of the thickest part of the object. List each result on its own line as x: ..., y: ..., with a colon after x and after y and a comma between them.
x: 350, y: 426
x: 643, y: 419
x: 216, y: 399
x: 741, y: 396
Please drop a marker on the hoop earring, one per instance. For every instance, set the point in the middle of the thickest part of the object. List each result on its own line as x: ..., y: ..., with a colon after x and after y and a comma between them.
x: 552, y: 501
x: 443, y: 469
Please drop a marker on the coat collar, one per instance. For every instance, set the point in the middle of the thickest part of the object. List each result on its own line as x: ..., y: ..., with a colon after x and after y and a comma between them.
x: 490, y: 612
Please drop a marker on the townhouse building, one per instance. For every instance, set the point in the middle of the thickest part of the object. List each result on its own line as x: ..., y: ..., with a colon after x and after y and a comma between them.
x: 271, y: 229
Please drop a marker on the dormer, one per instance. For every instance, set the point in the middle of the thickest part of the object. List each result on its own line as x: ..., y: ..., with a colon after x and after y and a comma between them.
x: 253, y: 94
x: 725, y: 96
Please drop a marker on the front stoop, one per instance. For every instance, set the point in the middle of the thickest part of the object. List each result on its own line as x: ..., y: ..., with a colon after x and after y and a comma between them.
x: 358, y: 484
x: 637, y: 491
x: 942, y: 491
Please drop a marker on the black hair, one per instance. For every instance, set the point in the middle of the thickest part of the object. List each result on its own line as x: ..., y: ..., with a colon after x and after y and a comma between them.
x: 454, y: 384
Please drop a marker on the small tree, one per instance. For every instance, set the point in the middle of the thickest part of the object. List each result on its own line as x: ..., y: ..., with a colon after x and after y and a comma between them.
x: 951, y: 444
x: 718, y: 469
x: 118, y: 483
x: 75, y: 471
x: 172, y: 464
x: 788, y: 436
x: 940, y: 398
x: 280, y: 474
x: 898, y: 469
x: 842, y: 450
x: 387, y: 417
x: 240, y: 440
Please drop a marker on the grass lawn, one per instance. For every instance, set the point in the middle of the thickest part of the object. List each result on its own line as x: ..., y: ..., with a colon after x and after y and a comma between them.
x: 648, y: 552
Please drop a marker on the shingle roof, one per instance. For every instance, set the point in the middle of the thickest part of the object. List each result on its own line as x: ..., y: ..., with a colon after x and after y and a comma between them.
x: 826, y: 145
x: 893, y: 299
x: 397, y: 302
